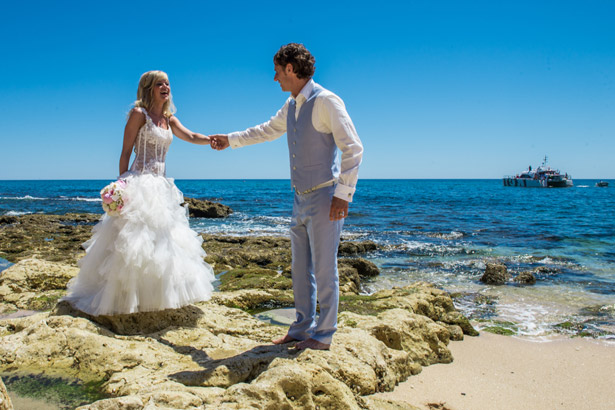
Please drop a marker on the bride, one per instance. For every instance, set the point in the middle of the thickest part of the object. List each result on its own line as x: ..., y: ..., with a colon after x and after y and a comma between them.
x: 147, y: 258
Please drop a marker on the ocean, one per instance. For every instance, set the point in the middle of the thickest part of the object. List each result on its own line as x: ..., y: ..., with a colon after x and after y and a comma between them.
x: 440, y: 231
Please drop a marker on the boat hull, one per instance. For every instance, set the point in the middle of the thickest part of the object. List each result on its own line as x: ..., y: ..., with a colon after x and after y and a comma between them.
x: 537, y: 183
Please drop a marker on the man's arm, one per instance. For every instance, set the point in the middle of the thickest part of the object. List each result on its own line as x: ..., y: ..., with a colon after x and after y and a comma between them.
x: 335, y: 119
x: 267, y: 131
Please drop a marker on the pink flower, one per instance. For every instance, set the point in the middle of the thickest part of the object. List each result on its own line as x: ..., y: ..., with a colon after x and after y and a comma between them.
x: 107, y: 198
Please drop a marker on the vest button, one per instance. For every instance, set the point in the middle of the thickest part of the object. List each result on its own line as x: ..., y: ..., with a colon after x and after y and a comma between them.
x: 294, y: 155
x: 294, y: 129
x: 294, y: 142
x: 294, y: 168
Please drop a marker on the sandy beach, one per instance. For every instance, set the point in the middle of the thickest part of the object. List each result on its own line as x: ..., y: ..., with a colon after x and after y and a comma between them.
x: 493, y: 372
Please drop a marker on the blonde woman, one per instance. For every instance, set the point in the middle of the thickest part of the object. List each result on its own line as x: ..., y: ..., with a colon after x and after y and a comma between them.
x: 146, y: 258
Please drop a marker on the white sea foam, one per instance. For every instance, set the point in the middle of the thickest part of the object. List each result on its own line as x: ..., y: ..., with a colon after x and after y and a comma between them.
x: 25, y: 197
x: 61, y: 198
x: 80, y: 198
x: 450, y: 236
x: 17, y: 213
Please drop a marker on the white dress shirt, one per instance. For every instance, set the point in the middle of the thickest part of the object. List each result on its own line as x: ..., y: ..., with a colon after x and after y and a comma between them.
x: 329, y: 116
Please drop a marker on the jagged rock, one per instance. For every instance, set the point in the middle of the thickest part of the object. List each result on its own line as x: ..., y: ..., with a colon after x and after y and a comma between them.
x: 495, y: 274
x: 5, y: 400
x: 365, y: 268
x: 255, y: 299
x: 8, y: 219
x: 237, y: 279
x: 35, y: 284
x: 526, y: 278
x: 421, y: 298
x: 351, y: 271
x: 400, y: 329
x: 55, y: 238
x: 199, y: 208
x: 220, y: 358
x: 242, y: 252
x: 352, y: 248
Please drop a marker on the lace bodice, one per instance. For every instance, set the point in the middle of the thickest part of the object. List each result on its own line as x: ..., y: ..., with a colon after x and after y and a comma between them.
x: 151, y: 147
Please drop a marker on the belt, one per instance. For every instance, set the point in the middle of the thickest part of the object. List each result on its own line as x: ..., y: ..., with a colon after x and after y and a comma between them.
x: 314, y: 188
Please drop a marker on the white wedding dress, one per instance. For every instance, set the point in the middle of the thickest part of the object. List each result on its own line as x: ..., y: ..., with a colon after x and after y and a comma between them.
x: 147, y: 258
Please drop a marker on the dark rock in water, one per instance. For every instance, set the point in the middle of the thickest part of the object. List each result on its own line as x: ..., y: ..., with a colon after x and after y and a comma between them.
x: 199, y: 208
x: 350, y: 248
x: 526, y: 278
x: 352, y: 271
x: 546, y: 270
x: 495, y: 274
x: 365, y: 268
x: 8, y: 219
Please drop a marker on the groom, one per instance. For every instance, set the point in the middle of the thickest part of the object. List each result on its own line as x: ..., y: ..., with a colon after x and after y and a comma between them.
x: 318, y: 127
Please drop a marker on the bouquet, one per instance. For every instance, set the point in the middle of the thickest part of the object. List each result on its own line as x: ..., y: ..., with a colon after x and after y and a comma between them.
x: 112, y: 199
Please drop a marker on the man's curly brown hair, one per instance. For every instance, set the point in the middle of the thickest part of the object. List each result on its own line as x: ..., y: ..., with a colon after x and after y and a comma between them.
x: 300, y: 58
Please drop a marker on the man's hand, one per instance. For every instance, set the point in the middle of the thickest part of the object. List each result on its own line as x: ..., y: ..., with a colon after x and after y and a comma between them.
x: 339, y: 209
x: 219, y: 141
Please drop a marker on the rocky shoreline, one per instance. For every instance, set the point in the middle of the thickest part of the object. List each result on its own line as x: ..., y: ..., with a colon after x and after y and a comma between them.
x: 215, y: 354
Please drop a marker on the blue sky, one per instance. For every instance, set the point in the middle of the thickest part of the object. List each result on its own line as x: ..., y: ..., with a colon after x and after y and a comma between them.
x: 444, y: 89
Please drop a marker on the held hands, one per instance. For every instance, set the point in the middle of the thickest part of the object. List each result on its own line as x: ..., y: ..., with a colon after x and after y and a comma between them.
x: 219, y: 141
x: 339, y: 209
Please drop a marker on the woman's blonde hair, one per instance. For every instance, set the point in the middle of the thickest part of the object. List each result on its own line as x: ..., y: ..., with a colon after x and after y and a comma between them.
x: 145, y: 92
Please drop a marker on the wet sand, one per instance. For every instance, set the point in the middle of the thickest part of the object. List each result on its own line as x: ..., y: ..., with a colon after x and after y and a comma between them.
x: 493, y: 372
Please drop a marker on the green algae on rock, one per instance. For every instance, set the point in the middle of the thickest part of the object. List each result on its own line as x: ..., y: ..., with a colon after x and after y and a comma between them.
x: 65, y: 393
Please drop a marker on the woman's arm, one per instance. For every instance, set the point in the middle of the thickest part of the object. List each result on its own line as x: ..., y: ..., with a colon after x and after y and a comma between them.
x: 134, y: 123
x: 185, y: 134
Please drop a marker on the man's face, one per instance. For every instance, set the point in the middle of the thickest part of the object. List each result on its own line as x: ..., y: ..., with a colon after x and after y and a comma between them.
x: 283, y: 75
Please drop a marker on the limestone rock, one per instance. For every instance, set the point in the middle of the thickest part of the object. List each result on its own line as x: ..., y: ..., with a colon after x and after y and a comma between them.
x: 5, y: 400
x: 495, y: 274
x: 421, y: 298
x: 209, y: 356
x: 400, y: 329
x: 8, y: 219
x: 353, y: 248
x: 55, y: 238
x: 255, y: 299
x: 35, y: 284
x: 257, y: 278
x: 365, y: 268
x: 199, y: 208
x: 526, y: 278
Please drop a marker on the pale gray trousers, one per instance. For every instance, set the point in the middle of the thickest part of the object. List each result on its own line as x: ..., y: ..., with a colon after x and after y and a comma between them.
x: 314, y: 242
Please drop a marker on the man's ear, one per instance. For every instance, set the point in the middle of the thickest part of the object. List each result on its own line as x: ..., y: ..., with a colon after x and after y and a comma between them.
x: 289, y: 68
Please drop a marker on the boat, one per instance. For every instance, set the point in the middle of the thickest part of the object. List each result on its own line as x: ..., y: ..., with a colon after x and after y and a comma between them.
x: 542, y: 177
x: 602, y: 184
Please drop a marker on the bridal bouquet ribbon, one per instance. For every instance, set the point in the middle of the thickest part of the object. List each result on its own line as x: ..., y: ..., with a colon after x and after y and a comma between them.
x: 112, y: 197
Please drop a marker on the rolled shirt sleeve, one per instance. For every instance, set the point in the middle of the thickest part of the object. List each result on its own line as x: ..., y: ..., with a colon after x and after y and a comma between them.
x: 332, y: 117
x: 267, y: 131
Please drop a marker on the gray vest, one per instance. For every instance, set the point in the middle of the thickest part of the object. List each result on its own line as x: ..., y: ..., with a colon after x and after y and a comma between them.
x: 313, y: 154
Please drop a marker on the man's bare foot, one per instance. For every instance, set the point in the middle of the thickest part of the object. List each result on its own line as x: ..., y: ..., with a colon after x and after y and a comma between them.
x: 285, y: 339
x: 312, y: 344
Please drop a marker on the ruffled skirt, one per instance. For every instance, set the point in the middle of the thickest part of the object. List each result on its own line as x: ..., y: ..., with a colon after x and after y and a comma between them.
x: 145, y: 259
